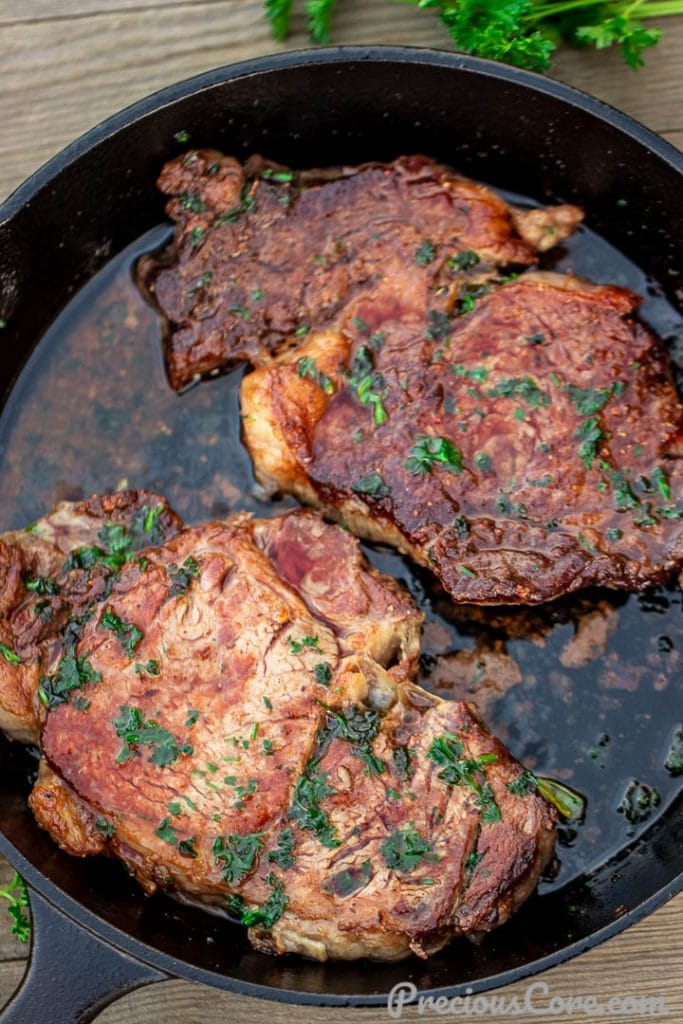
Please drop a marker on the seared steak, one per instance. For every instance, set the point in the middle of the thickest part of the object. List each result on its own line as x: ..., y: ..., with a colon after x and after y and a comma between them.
x: 229, y: 711
x: 521, y: 447
x: 262, y: 255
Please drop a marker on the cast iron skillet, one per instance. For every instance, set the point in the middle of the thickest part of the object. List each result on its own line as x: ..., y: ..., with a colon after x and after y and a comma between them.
x: 95, y: 935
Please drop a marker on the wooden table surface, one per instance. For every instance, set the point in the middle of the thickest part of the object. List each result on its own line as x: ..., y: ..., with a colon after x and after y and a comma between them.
x: 65, y: 65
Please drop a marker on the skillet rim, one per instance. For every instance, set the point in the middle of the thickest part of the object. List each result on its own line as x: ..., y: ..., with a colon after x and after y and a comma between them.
x: 415, y: 55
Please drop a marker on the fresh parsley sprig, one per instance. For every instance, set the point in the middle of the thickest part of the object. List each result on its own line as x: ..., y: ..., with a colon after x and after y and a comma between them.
x: 15, y: 893
x: 521, y: 32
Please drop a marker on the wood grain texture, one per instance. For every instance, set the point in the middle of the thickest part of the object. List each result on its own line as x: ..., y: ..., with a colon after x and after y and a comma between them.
x: 67, y: 64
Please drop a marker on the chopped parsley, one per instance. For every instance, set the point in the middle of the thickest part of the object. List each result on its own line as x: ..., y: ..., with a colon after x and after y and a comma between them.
x: 446, y: 751
x: 271, y: 911
x: 463, y: 260
x: 72, y: 673
x: 306, y: 367
x: 401, y: 756
x: 372, y: 485
x: 305, y: 643
x: 128, y: 634
x: 439, y: 325
x: 323, y: 673
x: 135, y: 732
x: 283, y: 855
x: 9, y: 655
x: 182, y: 576
x: 310, y: 791
x: 477, y: 373
x: 524, y: 388
x: 367, y: 382
x: 150, y: 668
x: 639, y: 801
x: 590, y: 435
x: 166, y: 831
x: 658, y: 477
x: 236, y: 854
x: 592, y: 400
x: 483, y: 462
x: 187, y: 847
x: 350, y: 880
x: 524, y: 784
x: 405, y: 849
x: 429, y: 451
x: 471, y: 863
x: 359, y: 728
x: 282, y: 177
x: 425, y: 254
x: 39, y: 584
x: 674, y: 758
x: 105, y: 827
x: 192, y: 203
x: 119, y: 543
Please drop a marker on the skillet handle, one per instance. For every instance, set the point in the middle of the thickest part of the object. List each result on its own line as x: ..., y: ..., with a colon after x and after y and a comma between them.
x: 71, y: 974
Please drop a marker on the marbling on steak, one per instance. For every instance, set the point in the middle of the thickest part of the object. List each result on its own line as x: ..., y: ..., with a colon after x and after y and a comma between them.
x: 228, y: 709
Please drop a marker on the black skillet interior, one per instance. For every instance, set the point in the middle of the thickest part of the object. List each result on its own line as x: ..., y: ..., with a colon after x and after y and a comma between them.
x: 508, y: 128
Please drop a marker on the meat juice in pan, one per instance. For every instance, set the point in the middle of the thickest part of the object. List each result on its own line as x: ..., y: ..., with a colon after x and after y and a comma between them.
x: 586, y: 689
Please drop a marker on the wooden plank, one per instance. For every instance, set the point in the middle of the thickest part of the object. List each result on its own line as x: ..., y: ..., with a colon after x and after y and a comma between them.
x: 644, y: 962
x: 11, y: 973
x: 57, y: 10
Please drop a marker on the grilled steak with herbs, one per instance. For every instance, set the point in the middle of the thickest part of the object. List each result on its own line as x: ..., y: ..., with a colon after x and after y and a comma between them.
x: 228, y: 709
x: 521, y: 448
x: 263, y: 254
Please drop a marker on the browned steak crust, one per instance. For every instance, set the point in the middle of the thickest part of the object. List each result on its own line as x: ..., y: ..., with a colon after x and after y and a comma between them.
x: 520, y: 449
x: 261, y: 254
x: 229, y: 712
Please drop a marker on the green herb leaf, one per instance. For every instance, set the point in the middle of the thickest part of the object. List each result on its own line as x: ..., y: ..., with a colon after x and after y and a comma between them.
x: 283, y: 856
x: 182, y: 576
x: 319, y: 16
x: 349, y: 880
x: 16, y: 895
x: 304, y: 643
x: 310, y: 791
x: 136, y: 732
x: 129, y: 635
x: 323, y: 673
x: 236, y: 854
x: 425, y: 254
x: 307, y: 368
x: 405, y: 849
x: 9, y: 655
x: 430, y: 451
x: 372, y: 484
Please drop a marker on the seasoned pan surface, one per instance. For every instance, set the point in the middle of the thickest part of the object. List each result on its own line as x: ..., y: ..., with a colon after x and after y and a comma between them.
x: 587, y: 689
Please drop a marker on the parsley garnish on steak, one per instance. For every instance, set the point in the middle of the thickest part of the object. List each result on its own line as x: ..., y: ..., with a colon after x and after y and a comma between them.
x: 405, y: 849
x: 236, y: 854
x: 137, y: 732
